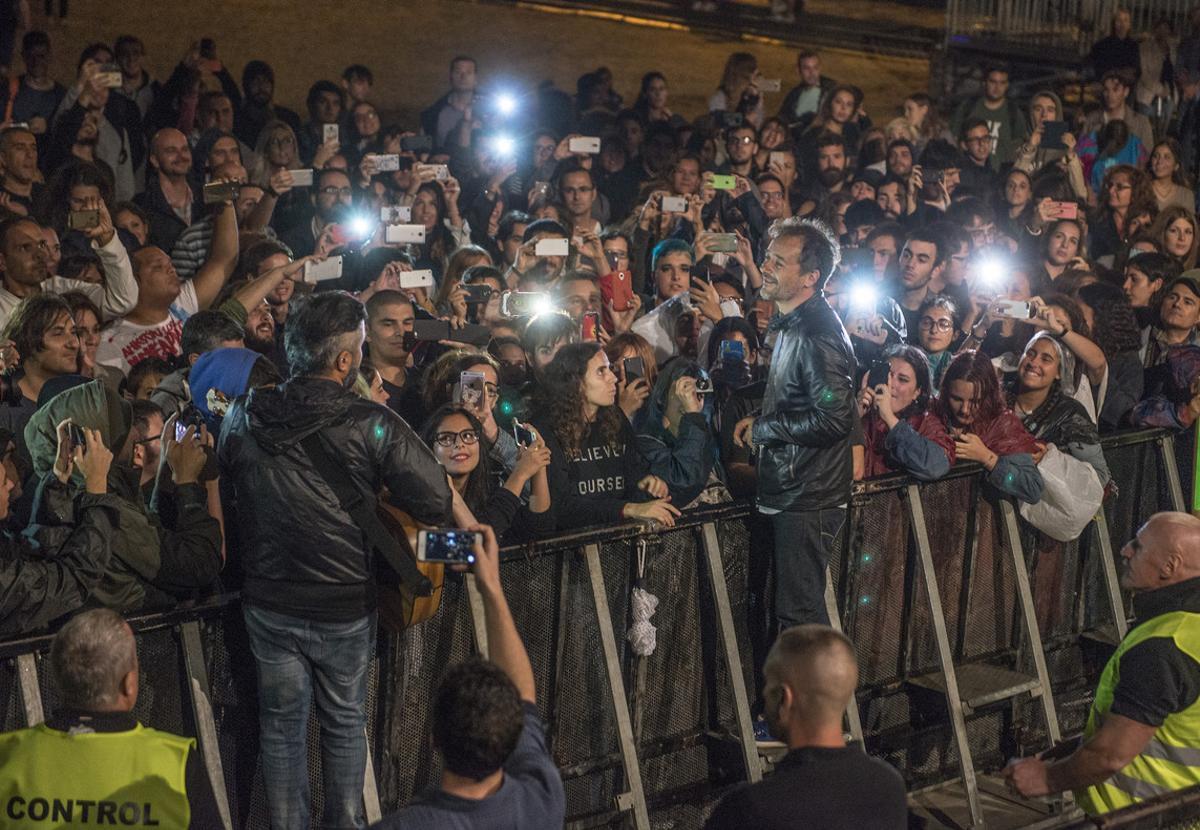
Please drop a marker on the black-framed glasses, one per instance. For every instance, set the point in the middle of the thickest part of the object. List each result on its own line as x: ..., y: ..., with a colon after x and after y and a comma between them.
x: 337, y: 191
x: 448, y: 439
x: 148, y: 440
x: 930, y: 324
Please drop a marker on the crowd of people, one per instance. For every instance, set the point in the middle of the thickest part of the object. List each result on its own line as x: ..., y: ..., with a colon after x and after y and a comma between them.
x: 532, y: 311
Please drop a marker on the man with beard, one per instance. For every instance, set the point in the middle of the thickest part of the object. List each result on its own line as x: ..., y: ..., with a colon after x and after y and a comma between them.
x: 811, y: 673
x: 830, y: 169
x: 273, y: 276
x: 258, y: 83
x: 741, y: 144
x: 1142, y: 732
x: 194, y: 244
x: 168, y: 199
x: 900, y: 159
x: 920, y: 262
x: 330, y: 198
x: 309, y: 604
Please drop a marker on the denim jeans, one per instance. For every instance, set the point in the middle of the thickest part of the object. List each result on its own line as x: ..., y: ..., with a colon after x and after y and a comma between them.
x: 296, y: 657
x: 804, y: 542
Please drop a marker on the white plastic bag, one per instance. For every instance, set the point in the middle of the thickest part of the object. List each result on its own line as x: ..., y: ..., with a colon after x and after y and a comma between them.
x: 1070, y: 499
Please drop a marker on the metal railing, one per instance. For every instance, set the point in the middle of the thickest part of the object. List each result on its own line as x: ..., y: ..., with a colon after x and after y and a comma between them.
x: 927, y: 585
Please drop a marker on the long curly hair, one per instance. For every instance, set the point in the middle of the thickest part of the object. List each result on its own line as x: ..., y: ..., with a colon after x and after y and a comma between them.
x: 560, y: 397
x: 1116, y: 328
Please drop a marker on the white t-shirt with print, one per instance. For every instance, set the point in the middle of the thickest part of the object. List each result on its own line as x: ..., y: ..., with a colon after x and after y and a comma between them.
x: 124, y: 344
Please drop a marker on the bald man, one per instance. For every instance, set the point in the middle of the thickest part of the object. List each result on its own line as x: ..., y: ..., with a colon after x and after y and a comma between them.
x: 169, y: 199
x: 1143, y: 734
x: 811, y: 673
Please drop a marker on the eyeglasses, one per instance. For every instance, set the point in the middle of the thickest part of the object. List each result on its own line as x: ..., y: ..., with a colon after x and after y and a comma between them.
x: 746, y: 139
x: 337, y: 191
x: 447, y: 439
x: 148, y: 440
x: 771, y: 195
x: 979, y: 139
x: 930, y: 324
x: 615, y: 254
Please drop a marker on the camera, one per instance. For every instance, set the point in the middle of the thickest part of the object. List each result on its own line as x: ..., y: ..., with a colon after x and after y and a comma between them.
x: 880, y: 371
x: 189, y: 416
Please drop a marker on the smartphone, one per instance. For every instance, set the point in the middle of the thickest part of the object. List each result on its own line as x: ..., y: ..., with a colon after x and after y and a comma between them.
x: 584, y: 144
x: 725, y: 243
x: 388, y: 163
x: 880, y: 373
x: 404, y: 234
x: 395, y: 215
x: 329, y: 133
x: 1066, y: 210
x: 472, y: 334
x: 674, y: 204
x: 302, y: 178
x: 634, y: 368
x: 327, y: 269
x: 431, y: 330
x: 724, y: 182
x: 416, y: 279
x: 217, y: 192
x: 1052, y: 135
x: 478, y: 293
x: 417, y: 144
x: 522, y: 434
x: 75, y: 438
x: 472, y: 387
x: 521, y: 303
x: 732, y: 351
x: 589, y: 327
x: 777, y: 158
x: 451, y: 547
x: 770, y: 84
x: 556, y: 246
x: 82, y: 220
x: 1013, y: 309
x: 441, y: 172
x: 617, y: 288
x: 539, y: 191
x: 188, y: 417
x: 109, y: 75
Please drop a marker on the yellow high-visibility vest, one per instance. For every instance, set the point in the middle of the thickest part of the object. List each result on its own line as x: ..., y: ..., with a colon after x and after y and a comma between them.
x: 1171, y: 761
x: 55, y: 779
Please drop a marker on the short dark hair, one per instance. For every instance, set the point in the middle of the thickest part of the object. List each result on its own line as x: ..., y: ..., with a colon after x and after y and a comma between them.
x: 143, y: 411
x: 33, y: 315
x: 207, y: 330
x: 548, y: 329
x: 148, y: 366
x: 829, y: 138
x: 386, y: 297
x: 357, y: 70
x: 34, y: 37
x: 259, y: 252
x: 940, y: 154
x: 317, y: 90
x: 462, y: 59
x: 507, y: 221
x: 820, y: 251
x: 544, y: 226
x: 316, y: 330
x: 971, y: 124
x: 477, y: 718
x: 893, y: 229
x: 933, y: 238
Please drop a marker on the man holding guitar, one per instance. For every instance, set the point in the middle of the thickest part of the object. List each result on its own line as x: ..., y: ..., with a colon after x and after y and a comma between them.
x: 307, y: 460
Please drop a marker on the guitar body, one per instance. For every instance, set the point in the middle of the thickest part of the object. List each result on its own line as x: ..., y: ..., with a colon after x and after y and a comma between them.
x: 399, y: 608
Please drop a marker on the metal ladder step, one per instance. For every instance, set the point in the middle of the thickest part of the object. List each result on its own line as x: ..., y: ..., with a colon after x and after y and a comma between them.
x: 981, y: 684
x: 1105, y: 634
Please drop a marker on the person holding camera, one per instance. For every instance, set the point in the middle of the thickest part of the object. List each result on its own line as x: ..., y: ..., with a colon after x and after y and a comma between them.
x: 298, y: 456
x: 456, y: 436
x: 497, y: 770
x: 900, y: 429
x: 675, y: 438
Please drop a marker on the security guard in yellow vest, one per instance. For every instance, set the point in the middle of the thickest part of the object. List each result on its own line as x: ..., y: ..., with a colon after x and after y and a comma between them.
x: 1142, y: 738
x: 93, y: 764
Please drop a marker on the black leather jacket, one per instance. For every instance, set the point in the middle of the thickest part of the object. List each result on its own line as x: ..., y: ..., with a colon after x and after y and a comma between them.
x: 803, y: 433
x: 301, y: 554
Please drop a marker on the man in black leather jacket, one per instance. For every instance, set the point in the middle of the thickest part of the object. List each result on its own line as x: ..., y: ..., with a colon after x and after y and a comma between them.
x: 308, y: 595
x: 802, y: 436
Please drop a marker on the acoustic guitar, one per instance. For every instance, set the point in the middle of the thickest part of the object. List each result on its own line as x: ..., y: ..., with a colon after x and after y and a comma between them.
x: 398, y: 607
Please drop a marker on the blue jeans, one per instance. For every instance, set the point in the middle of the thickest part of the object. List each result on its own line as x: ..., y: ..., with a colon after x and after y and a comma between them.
x: 804, y: 542
x: 294, y: 658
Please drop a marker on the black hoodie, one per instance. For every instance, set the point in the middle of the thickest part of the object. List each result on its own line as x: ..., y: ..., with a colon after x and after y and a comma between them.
x: 302, y: 555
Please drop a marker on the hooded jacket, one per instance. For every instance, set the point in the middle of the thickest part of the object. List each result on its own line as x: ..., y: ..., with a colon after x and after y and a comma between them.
x: 301, y: 554
x: 154, y: 562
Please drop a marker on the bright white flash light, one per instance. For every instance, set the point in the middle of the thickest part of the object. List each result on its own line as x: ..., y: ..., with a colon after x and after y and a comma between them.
x: 864, y: 295
x: 360, y: 226
x: 991, y: 272
x: 503, y: 145
x: 506, y: 103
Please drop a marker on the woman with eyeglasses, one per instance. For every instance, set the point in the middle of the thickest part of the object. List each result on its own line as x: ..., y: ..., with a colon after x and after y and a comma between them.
x: 443, y: 385
x: 456, y: 438
x: 939, y: 324
x: 275, y: 153
x: 1125, y: 194
x: 597, y: 476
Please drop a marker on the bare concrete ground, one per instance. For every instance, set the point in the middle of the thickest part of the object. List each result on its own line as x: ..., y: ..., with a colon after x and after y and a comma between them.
x: 408, y: 45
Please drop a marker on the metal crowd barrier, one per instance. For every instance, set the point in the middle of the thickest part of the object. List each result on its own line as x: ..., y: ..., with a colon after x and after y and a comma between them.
x: 978, y: 639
